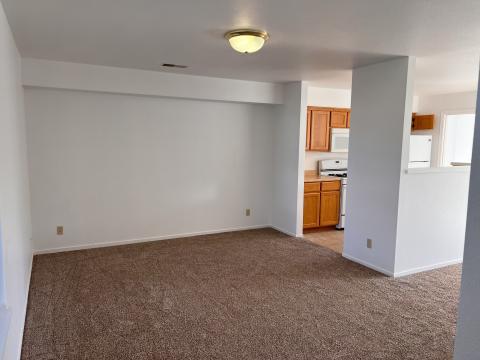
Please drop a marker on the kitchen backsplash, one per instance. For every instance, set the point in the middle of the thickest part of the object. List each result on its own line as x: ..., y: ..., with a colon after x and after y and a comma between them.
x: 312, y: 157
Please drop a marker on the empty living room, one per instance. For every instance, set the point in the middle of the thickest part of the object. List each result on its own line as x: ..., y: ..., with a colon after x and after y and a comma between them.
x: 239, y: 179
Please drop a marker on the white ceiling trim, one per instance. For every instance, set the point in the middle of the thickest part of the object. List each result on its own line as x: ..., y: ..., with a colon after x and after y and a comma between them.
x: 72, y: 76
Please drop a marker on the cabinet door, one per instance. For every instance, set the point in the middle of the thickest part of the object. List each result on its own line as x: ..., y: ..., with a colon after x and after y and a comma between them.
x: 329, y: 208
x: 320, y: 130
x: 311, y: 210
x: 309, y: 123
x: 339, y: 119
x: 423, y: 122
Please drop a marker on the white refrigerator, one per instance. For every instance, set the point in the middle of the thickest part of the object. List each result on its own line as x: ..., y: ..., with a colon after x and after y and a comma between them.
x: 420, y: 151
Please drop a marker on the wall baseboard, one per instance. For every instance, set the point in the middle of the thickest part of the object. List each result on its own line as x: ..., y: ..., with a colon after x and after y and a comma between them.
x: 427, y: 267
x: 369, y: 265
x: 146, y: 239
x: 398, y: 274
x: 284, y: 231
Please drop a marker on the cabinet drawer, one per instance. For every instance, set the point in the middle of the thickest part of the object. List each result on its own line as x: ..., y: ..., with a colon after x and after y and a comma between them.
x: 330, y: 185
x: 311, y: 187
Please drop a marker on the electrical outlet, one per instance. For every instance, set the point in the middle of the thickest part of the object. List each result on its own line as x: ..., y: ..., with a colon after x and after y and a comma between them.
x: 247, y: 212
x: 369, y: 243
x: 59, y: 230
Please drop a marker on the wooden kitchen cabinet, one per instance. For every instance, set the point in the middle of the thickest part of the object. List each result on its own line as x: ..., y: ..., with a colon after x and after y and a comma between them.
x: 320, y: 121
x: 329, y: 208
x: 321, y: 204
x: 309, y: 124
x: 320, y: 130
x: 423, y: 122
x: 311, y: 210
x: 339, y: 118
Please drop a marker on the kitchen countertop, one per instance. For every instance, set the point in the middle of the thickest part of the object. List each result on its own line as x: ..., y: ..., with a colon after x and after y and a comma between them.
x: 317, y: 178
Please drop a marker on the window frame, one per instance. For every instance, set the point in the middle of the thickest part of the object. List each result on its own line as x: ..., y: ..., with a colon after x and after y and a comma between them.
x: 443, y: 129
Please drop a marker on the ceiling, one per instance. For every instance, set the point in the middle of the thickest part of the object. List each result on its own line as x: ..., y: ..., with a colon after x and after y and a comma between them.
x: 312, y: 40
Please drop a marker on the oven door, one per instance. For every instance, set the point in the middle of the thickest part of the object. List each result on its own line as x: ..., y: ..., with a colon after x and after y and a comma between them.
x: 339, y: 140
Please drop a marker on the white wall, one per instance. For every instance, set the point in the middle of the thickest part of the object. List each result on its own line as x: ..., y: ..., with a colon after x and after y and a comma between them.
x: 288, y: 147
x: 467, y: 340
x: 431, y: 220
x: 327, y: 97
x: 14, y: 194
x: 63, y: 75
x: 115, y: 168
x: 382, y: 96
x: 432, y: 204
x: 438, y: 104
x: 339, y: 98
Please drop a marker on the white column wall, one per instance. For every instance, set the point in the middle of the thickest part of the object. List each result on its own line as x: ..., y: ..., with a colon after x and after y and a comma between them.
x: 467, y: 341
x: 382, y: 97
x: 288, y: 154
x: 14, y: 198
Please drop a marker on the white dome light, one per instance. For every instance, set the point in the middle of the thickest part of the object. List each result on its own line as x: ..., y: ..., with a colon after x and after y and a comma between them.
x: 246, y: 41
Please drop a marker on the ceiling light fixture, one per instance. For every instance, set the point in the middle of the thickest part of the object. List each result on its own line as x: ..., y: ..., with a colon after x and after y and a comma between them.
x: 246, y: 41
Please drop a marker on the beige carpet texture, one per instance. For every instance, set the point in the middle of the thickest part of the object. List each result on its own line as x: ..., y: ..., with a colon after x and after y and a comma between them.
x: 254, y: 294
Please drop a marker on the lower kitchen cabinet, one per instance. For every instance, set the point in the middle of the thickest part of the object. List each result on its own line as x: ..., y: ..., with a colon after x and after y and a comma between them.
x: 329, y: 208
x: 321, y: 204
x: 311, y: 211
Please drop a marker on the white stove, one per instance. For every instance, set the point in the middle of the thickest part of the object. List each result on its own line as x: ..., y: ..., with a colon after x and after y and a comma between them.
x: 337, y: 168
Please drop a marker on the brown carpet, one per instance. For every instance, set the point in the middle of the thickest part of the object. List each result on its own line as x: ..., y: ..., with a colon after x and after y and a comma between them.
x: 248, y: 295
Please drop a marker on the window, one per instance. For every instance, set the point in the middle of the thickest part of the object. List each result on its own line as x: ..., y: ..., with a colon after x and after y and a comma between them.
x: 457, y: 138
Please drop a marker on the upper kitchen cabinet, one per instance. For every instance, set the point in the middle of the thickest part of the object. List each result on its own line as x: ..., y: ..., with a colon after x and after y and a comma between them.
x: 339, y: 118
x: 309, y: 124
x: 320, y: 129
x: 320, y: 122
x: 423, y: 122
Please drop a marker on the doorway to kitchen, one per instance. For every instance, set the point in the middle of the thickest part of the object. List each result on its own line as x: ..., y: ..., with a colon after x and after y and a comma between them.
x: 326, y: 166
